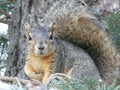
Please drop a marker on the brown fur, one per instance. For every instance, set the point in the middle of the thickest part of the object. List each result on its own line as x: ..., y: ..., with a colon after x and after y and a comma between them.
x: 76, y: 24
x: 38, y: 65
x: 85, y: 34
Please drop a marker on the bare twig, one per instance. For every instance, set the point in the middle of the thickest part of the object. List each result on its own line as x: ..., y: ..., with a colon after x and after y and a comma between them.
x: 4, y: 86
x: 102, y: 4
x: 58, y: 76
x: 6, y: 2
x: 26, y: 82
x: 4, y: 21
x: 3, y: 37
x: 83, y: 2
x: 18, y: 82
x: 5, y: 13
x: 3, y: 60
x: 3, y: 66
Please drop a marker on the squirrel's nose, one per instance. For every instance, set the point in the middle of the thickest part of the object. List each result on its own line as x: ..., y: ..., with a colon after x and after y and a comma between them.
x: 41, y: 48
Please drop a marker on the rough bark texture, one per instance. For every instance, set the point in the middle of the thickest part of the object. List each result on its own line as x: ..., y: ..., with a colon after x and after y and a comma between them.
x: 17, y: 39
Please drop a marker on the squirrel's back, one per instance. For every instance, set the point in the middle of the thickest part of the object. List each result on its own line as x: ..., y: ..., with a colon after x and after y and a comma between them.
x: 74, y: 23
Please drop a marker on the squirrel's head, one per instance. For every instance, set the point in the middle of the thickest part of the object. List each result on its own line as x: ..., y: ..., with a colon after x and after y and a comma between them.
x: 40, y: 41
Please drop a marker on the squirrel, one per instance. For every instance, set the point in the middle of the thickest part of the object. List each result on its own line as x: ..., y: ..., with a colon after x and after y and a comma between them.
x: 47, y: 55
x: 75, y: 25
x: 40, y: 54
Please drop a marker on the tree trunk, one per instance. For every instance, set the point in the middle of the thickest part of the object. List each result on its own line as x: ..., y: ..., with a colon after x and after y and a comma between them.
x: 17, y: 39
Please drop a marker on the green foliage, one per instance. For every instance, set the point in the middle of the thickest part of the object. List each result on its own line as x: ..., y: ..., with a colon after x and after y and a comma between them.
x: 114, y: 28
x: 7, y: 7
x: 66, y: 83
x: 16, y: 84
x: 3, y: 52
x: 110, y: 87
x: 3, y: 46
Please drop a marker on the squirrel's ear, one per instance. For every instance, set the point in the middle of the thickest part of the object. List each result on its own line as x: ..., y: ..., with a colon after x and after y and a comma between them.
x: 80, y: 19
x: 27, y: 28
x: 52, y: 27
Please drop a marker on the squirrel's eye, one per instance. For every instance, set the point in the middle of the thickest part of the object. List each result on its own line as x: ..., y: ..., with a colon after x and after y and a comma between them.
x: 30, y: 38
x: 50, y: 37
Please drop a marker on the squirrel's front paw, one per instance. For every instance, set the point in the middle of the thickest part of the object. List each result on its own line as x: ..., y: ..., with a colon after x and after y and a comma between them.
x: 37, y: 76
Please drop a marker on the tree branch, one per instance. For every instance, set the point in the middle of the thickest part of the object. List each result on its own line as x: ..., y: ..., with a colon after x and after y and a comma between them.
x: 6, y: 2
x: 3, y: 60
x: 3, y: 37
x: 3, y: 66
x: 4, y: 86
x: 5, y: 13
x: 26, y: 82
x: 4, y: 21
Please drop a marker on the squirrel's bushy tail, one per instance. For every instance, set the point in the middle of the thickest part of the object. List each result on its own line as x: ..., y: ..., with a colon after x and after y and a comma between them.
x: 85, y: 34
x: 75, y: 24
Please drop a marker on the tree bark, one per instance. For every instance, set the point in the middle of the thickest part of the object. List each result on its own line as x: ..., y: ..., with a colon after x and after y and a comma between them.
x: 17, y: 39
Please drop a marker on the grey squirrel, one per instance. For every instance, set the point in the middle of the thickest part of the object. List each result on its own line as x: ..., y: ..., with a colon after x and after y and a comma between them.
x: 73, y: 27
x: 47, y: 55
